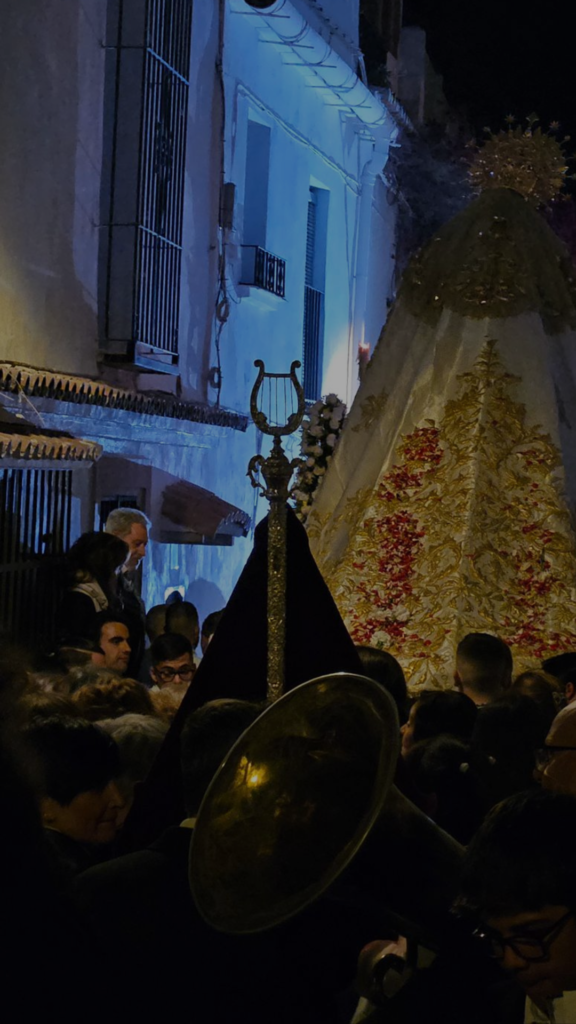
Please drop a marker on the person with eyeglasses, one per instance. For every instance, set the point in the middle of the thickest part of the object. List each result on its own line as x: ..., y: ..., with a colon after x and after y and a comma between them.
x: 556, y: 760
x: 519, y: 882
x: 171, y: 662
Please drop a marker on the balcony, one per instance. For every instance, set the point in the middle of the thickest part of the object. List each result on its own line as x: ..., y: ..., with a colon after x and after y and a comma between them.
x: 261, y: 269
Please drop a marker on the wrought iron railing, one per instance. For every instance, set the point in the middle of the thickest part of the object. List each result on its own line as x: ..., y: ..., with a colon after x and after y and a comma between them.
x: 263, y: 269
x: 313, y: 342
x: 35, y: 513
x: 152, y: 60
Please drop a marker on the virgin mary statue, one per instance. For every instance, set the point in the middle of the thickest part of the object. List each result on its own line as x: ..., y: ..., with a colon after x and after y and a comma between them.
x: 448, y: 506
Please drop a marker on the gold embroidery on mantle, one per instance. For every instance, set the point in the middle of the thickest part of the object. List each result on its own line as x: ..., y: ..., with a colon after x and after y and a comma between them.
x: 497, y: 258
x: 468, y: 531
x: 325, y: 528
x: 371, y: 409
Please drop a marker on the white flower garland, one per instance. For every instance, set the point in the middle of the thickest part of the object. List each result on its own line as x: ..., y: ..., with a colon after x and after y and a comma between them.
x: 320, y: 433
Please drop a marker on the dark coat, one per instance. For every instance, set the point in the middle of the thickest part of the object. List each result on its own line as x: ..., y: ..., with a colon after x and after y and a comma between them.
x: 142, y: 910
x: 134, y: 614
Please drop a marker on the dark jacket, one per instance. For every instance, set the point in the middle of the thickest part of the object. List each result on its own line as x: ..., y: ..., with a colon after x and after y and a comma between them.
x: 134, y: 614
x: 142, y: 910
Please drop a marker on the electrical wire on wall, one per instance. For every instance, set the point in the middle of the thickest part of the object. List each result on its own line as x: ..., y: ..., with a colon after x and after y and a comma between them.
x: 223, y: 297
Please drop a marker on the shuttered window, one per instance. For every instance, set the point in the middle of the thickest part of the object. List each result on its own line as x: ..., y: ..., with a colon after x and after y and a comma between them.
x: 314, y: 274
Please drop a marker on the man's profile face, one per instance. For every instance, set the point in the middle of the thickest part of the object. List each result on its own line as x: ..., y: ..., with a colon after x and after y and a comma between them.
x: 136, y: 539
x: 557, y: 973
x: 178, y: 672
x: 115, y: 645
x: 558, y: 770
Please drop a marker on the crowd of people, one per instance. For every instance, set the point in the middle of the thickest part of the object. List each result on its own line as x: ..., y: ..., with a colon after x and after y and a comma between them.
x: 98, y: 925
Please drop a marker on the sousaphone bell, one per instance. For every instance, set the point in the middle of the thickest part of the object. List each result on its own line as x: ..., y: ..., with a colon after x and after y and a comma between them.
x: 306, y: 797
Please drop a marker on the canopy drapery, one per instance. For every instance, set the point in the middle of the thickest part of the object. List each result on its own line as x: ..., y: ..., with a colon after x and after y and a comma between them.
x: 448, y: 505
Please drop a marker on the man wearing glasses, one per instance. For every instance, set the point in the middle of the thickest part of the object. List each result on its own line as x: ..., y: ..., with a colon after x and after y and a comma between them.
x: 171, y: 661
x: 519, y: 880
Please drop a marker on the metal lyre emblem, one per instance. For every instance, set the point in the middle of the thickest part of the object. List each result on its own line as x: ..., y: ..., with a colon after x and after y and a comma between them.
x: 277, y: 406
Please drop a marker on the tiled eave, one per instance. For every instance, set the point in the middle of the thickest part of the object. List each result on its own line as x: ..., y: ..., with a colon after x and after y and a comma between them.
x: 83, y: 391
x: 41, y: 447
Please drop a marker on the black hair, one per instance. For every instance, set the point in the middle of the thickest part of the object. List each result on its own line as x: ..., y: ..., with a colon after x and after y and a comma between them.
x: 168, y: 647
x: 96, y: 556
x: 510, y: 730
x: 155, y: 621
x: 181, y: 610
x: 384, y: 669
x: 534, y: 686
x: 487, y: 663
x: 522, y: 857
x: 74, y: 756
x: 562, y: 666
x: 443, y: 711
x: 210, y: 623
x: 182, y: 618
x: 207, y: 736
x: 101, y: 619
x: 452, y: 771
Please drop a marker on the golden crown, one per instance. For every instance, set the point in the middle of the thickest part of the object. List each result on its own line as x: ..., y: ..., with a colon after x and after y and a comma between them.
x: 528, y: 160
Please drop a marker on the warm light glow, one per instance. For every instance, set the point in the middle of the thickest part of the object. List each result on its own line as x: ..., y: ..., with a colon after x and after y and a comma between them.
x: 258, y: 775
x: 251, y: 775
x: 363, y: 357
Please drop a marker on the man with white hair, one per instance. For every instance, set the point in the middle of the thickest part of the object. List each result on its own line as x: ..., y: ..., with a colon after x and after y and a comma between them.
x: 132, y: 527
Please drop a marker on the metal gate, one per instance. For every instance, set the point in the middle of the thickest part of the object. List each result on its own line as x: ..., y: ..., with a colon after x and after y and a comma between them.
x: 35, y: 509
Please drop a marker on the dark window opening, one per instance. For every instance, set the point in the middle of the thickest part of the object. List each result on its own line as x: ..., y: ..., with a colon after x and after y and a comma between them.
x: 314, y: 286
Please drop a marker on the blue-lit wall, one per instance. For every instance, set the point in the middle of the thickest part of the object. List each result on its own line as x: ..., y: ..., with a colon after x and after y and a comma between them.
x: 52, y: 116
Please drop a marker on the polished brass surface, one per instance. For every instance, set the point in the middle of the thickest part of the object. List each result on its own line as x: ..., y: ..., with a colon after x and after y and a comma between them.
x: 277, y: 472
x: 293, y: 802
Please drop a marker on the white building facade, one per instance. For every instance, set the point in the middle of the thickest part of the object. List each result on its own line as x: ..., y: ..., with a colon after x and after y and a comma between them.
x: 185, y: 189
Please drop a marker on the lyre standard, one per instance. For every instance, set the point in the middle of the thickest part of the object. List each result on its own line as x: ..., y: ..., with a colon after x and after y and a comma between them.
x: 281, y: 393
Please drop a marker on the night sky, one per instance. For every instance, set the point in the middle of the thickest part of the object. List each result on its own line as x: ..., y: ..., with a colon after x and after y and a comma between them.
x: 502, y: 57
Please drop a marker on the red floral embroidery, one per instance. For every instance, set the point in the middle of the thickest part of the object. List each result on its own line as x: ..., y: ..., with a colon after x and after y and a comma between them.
x: 397, y: 539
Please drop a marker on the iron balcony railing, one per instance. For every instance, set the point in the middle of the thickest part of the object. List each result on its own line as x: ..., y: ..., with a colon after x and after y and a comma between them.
x: 313, y: 342
x: 263, y: 269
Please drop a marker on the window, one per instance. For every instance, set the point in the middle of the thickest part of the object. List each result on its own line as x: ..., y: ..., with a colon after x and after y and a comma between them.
x: 314, y: 285
x: 149, y: 63
x: 256, y: 184
x: 108, y: 505
x: 259, y: 267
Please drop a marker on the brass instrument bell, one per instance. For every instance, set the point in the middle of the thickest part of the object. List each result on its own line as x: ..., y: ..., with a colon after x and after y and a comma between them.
x: 305, y: 791
x: 292, y: 802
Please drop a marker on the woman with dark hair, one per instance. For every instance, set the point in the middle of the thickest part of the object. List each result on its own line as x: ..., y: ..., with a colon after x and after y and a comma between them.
x: 437, y: 712
x: 451, y: 779
x: 94, y: 561
x: 384, y: 669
